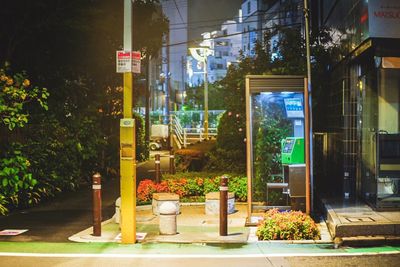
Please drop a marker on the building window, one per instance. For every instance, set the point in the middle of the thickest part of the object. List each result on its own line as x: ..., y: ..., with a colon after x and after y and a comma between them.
x: 248, y: 7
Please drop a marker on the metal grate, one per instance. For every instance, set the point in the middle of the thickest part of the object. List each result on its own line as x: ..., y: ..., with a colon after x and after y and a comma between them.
x: 360, y: 219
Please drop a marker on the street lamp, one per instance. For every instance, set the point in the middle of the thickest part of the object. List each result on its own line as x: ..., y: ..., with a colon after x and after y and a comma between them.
x: 201, y: 54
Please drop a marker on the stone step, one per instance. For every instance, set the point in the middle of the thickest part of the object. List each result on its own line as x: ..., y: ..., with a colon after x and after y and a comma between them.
x: 359, y: 221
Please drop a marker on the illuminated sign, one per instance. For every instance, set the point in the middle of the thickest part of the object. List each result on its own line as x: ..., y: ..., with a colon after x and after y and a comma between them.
x: 384, y: 18
x: 294, y: 107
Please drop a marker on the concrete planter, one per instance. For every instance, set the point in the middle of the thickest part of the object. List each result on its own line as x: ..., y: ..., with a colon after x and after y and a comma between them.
x: 212, y: 203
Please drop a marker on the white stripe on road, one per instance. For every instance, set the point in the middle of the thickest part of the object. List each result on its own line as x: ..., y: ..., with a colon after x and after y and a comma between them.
x: 187, y: 256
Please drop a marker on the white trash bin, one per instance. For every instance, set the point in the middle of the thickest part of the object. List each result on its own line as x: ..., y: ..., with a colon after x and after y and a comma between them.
x: 168, y: 218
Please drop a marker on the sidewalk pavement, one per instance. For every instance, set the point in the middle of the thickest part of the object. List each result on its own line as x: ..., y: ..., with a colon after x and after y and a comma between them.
x: 193, y: 226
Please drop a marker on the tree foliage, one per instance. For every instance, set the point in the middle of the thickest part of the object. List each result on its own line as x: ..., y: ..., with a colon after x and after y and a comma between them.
x: 16, y: 180
x: 16, y: 92
x: 68, y: 47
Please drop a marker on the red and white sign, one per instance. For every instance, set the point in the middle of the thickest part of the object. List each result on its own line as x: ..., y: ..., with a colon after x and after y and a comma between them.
x: 136, y: 56
x: 128, y: 61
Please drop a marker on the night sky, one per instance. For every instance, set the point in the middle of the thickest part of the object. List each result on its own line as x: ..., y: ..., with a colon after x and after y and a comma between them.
x: 207, y: 15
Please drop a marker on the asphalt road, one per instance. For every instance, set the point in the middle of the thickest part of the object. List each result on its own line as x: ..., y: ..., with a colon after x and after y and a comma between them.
x: 69, y: 213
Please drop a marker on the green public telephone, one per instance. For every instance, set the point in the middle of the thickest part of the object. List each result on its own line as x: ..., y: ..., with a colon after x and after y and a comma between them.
x: 292, y: 150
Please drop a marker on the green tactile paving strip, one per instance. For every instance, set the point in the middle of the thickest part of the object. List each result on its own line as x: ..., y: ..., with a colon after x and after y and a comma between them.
x: 265, y: 248
x: 374, y: 249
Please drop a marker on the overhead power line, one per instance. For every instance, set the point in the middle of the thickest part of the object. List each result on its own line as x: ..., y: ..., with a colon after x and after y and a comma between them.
x: 179, y: 12
x: 233, y: 34
x: 232, y: 23
x: 263, y: 12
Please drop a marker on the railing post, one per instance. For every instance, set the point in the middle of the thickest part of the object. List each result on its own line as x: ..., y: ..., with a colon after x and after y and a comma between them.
x: 170, y: 130
x: 184, y: 138
x: 157, y: 163
x: 96, y: 186
x: 223, y: 206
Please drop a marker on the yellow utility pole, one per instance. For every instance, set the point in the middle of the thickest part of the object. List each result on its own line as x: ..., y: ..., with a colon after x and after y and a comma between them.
x: 127, y: 144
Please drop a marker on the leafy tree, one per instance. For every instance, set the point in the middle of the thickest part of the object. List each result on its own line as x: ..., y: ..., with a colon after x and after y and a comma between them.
x: 195, y: 96
x: 15, y: 94
x: 16, y: 180
x: 69, y: 47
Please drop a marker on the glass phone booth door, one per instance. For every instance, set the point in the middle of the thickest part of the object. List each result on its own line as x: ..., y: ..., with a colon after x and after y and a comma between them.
x: 275, y: 143
x: 379, y: 127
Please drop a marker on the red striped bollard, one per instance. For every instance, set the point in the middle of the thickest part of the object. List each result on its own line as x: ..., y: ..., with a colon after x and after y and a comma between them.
x: 96, y: 186
x: 223, y: 206
x: 157, y: 166
x: 171, y: 162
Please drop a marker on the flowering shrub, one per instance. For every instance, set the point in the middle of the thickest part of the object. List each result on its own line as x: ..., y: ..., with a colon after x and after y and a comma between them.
x: 195, y: 187
x: 145, y: 190
x: 288, y: 225
x: 178, y: 187
x: 211, y: 185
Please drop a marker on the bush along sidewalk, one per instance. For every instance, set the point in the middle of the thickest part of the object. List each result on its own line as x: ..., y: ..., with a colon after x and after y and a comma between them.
x: 192, y: 188
x: 287, y: 225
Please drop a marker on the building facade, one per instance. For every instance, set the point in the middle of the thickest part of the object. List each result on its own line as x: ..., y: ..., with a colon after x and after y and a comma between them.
x: 252, y: 21
x: 281, y: 13
x: 224, y: 45
x: 364, y: 90
x: 260, y: 16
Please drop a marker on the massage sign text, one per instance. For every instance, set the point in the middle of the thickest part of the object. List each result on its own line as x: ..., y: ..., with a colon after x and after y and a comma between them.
x: 384, y: 18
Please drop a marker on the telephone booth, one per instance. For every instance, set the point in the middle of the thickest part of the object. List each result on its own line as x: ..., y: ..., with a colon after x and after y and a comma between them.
x: 277, y: 141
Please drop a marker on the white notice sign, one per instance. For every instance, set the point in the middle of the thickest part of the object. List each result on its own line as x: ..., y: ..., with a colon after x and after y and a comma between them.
x: 136, y: 56
x: 124, y: 61
x: 11, y: 232
x: 128, y: 61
